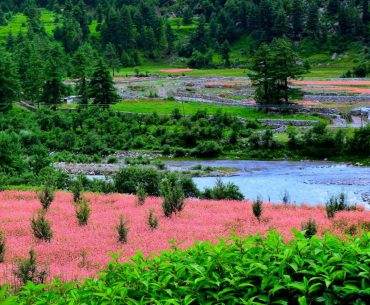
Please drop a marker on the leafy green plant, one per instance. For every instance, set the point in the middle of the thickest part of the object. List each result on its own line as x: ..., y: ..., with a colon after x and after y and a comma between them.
x: 28, y: 270
x: 173, y: 195
x: 152, y: 220
x: 83, y: 211
x: 141, y: 194
x: 257, y: 208
x: 2, y: 246
x: 223, y: 191
x: 236, y: 270
x: 122, y: 230
x: 310, y: 228
x: 336, y: 204
x: 46, y: 197
x: 41, y: 227
x: 77, y: 189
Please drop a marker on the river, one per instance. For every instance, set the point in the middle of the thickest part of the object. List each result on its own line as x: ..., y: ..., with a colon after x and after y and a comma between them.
x: 305, y: 182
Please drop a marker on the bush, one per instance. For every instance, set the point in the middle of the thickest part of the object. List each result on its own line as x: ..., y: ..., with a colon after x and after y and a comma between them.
x: 199, y: 60
x: 122, y: 230
x: 141, y: 194
x: 257, y: 209
x: 222, y: 191
x: 207, y: 149
x: 83, y: 211
x: 336, y: 204
x: 152, y: 220
x: 127, y: 179
x: 77, y: 189
x: 2, y: 246
x: 41, y: 227
x: 286, y: 197
x: 310, y: 228
x: 173, y: 195
x: 46, y: 197
x: 302, y: 271
x: 28, y: 270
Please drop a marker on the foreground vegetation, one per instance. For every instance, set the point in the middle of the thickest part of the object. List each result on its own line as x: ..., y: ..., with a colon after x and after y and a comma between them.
x: 237, y: 270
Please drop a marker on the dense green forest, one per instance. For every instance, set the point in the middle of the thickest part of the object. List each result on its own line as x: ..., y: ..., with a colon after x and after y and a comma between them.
x: 56, y: 40
x: 127, y: 32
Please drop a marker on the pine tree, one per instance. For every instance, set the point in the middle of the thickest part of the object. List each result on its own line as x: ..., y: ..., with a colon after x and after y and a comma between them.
x: 53, y: 89
x: 225, y: 50
x: 101, y: 86
x: 272, y: 67
x: 313, y: 19
x: 281, y: 23
x: 298, y: 18
x: 261, y: 67
x: 111, y: 57
x: 333, y: 7
x: 365, y: 11
x: 8, y: 81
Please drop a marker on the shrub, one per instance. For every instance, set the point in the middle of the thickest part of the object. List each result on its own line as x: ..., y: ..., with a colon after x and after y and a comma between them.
x: 122, y: 230
x: 310, y: 228
x: 2, y: 246
x: 257, y: 209
x: 141, y: 194
x: 127, y: 179
x: 46, y: 197
x: 112, y: 160
x: 173, y: 195
x: 207, y: 149
x: 222, y: 191
x: 286, y: 197
x: 41, y: 227
x: 336, y: 204
x: 83, y: 211
x: 77, y: 188
x: 152, y: 220
x: 28, y: 270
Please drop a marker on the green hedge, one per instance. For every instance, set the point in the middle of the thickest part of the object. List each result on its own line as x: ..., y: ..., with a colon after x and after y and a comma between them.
x: 239, y: 270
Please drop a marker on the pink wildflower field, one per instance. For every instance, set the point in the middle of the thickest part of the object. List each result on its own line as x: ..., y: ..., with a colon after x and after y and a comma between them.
x: 80, y: 251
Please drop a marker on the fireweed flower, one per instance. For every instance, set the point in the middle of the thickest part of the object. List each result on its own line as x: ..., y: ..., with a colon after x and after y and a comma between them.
x: 80, y: 251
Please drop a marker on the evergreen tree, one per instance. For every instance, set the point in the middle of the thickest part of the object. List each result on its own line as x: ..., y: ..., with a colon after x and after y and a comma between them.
x: 313, y: 26
x: 170, y: 36
x: 281, y: 23
x: 266, y: 19
x: 111, y: 57
x: 10, y: 42
x: 261, y: 75
x: 200, y: 38
x: 333, y: 7
x: 187, y: 16
x: 101, y: 86
x: 8, y: 81
x: 272, y: 67
x: 53, y: 89
x: 286, y: 65
x: 365, y: 11
x: 2, y: 17
x: 298, y: 18
x: 225, y: 50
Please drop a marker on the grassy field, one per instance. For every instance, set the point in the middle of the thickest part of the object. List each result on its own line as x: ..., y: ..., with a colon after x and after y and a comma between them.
x: 189, y: 108
x: 18, y: 23
x: 316, y: 72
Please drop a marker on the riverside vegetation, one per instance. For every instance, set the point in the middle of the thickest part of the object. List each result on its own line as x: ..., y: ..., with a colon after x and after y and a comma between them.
x: 49, y: 253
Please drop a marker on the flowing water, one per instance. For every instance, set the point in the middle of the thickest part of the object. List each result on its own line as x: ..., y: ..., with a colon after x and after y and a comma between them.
x: 305, y: 182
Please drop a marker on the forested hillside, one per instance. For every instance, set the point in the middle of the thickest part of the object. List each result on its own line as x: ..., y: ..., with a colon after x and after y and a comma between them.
x: 127, y: 32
